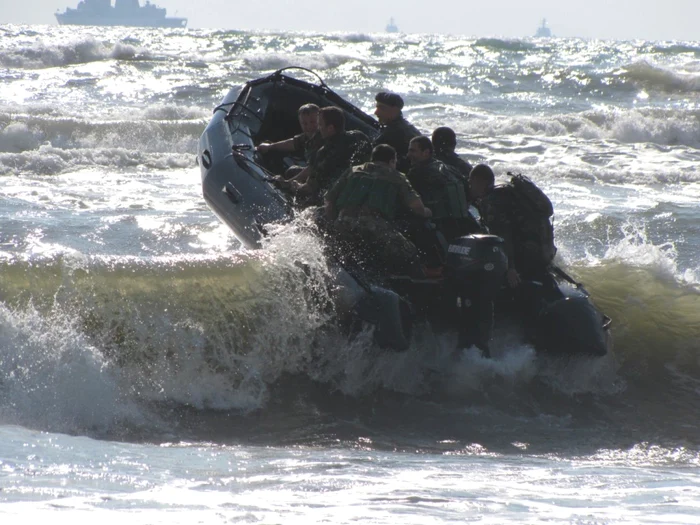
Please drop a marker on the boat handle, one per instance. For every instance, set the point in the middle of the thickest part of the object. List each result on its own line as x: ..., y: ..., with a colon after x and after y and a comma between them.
x: 206, y: 159
x: 232, y: 193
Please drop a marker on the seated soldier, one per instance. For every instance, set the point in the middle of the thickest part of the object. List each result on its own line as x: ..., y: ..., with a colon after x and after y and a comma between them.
x: 441, y: 189
x: 341, y: 149
x: 444, y: 143
x: 396, y: 131
x: 305, y: 143
x: 363, y: 206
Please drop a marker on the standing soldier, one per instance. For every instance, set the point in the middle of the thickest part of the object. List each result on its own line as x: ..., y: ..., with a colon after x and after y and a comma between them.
x: 396, y: 131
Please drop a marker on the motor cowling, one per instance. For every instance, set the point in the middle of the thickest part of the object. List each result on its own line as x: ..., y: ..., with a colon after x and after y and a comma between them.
x: 476, y: 257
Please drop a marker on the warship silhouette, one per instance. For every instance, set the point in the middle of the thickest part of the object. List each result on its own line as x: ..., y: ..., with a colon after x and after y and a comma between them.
x: 123, y: 13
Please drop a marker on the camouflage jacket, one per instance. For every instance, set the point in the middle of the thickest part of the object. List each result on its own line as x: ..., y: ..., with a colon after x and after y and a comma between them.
x: 372, y: 189
x: 462, y: 166
x: 440, y: 188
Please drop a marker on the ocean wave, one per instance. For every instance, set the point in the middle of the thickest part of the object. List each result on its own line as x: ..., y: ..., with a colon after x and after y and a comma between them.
x: 676, y: 48
x: 658, y: 78
x: 317, y: 61
x: 41, y: 55
x: 52, y: 378
x: 654, y: 304
x: 666, y: 127
x: 47, y: 160
x: 154, y: 129
x: 500, y: 44
x: 220, y: 332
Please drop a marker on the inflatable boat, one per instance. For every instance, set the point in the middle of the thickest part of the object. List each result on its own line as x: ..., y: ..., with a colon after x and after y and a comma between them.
x: 557, y: 315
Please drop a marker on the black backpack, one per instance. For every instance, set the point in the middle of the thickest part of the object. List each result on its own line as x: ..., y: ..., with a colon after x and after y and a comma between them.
x: 534, y: 212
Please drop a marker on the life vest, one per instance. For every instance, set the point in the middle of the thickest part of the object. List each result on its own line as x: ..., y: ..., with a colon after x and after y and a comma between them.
x: 365, y: 187
x: 533, y: 212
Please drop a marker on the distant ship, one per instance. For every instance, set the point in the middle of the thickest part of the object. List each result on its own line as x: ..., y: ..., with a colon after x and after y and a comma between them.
x: 391, y: 27
x: 124, y: 13
x: 543, y: 31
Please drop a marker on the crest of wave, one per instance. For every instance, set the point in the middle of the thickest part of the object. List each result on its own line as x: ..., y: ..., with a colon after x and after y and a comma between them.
x: 344, y: 357
x: 659, y: 78
x: 52, y: 378
x: 653, y: 304
x: 83, y: 51
x: 277, y: 60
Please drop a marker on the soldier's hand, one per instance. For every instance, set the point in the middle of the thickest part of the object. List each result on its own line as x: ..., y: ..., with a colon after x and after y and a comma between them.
x: 513, y: 278
x: 428, y: 213
x: 279, y: 181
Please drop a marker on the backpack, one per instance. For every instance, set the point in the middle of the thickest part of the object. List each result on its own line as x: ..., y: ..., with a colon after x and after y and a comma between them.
x: 534, y: 210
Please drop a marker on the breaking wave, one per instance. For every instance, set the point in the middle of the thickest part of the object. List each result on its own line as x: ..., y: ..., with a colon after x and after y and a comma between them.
x: 658, y: 78
x: 219, y: 333
x: 40, y: 55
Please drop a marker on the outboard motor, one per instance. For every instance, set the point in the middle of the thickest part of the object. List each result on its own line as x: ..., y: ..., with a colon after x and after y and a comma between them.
x: 475, y: 269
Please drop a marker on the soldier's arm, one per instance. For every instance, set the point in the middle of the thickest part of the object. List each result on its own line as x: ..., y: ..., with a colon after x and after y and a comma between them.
x: 302, y: 176
x: 332, y: 195
x: 416, y: 206
x: 411, y: 200
x: 283, y: 145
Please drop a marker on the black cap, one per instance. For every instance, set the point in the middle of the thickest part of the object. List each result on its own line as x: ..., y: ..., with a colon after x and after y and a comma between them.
x: 390, y: 99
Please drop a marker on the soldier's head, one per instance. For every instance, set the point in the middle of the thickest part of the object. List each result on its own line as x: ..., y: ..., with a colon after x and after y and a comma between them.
x: 331, y: 121
x: 444, y: 140
x: 389, y: 106
x: 419, y: 149
x: 384, y: 154
x: 481, y: 181
x: 308, y: 118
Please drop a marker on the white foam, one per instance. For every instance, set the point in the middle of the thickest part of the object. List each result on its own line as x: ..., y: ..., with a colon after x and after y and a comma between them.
x: 42, y: 54
x: 48, y: 160
x: 631, y: 126
x: 17, y: 137
x: 277, y: 60
x: 51, y: 377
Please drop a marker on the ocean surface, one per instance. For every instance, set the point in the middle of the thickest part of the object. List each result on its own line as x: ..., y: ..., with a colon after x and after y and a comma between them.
x: 152, y: 371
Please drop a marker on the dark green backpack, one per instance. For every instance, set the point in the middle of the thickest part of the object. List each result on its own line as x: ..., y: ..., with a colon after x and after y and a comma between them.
x: 534, y: 213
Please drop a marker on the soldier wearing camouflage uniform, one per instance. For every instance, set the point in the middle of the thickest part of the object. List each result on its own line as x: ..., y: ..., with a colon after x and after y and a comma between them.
x: 363, y: 205
x: 444, y: 142
x: 441, y: 189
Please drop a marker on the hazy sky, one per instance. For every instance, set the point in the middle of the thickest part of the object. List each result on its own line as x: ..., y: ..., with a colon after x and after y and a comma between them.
x: 607, y: 19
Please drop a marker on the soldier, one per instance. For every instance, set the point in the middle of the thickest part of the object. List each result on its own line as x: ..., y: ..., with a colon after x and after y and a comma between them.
x: 441, y: 190
x: 305, y: 143
x: 527, y: 232
x: 396, y: 131
x: 444, y: 143
x: 340, y: 150
x: 364, y: 204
